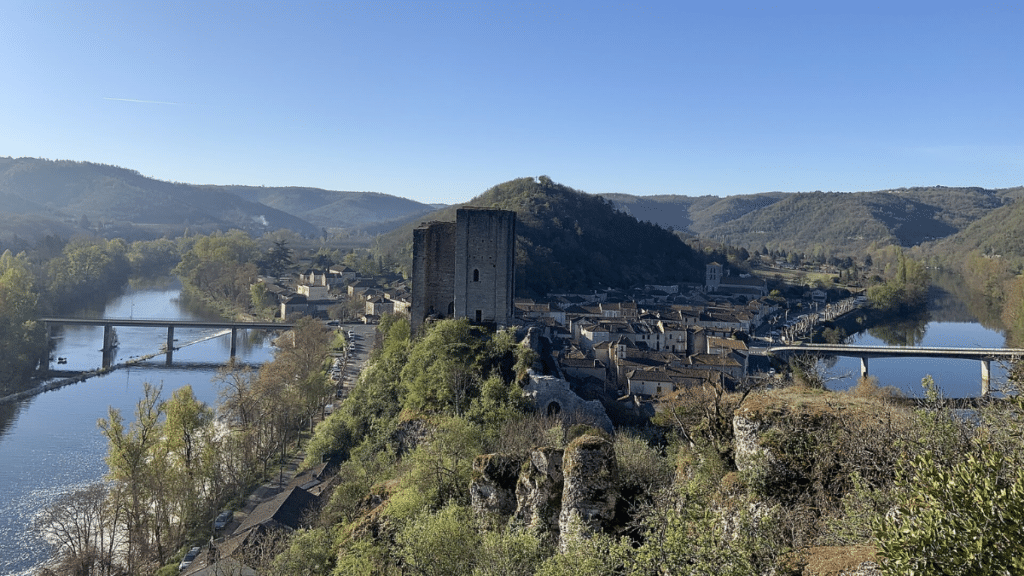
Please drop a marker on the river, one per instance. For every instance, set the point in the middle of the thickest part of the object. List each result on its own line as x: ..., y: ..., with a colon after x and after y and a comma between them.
x: 953, y: 319
x: 50, y: 443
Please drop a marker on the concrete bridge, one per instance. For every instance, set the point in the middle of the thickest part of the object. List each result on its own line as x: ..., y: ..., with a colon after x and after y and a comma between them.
x: 109, y: 323
x: 983, y: 355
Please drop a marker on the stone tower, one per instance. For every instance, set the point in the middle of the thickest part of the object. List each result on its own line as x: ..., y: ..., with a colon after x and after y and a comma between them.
x: 465, y: 269
x: 713, y: 276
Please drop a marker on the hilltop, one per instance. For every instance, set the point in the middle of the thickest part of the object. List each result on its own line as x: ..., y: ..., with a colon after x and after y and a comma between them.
x: 569, y: 240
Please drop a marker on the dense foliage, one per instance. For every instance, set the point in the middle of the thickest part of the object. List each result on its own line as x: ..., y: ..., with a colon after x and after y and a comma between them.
x: 904, y: 290
x: 221, y: 265
x: 22, y: 338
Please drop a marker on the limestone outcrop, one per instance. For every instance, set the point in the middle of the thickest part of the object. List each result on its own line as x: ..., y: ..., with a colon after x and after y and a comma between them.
x: 591, y: 488
x: 493, y: 489
x: 748, y: 450
x: 539, y: 490
x: 569, y: 492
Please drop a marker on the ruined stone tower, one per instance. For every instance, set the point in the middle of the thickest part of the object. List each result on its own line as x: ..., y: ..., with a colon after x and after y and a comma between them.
x: 465, y: 269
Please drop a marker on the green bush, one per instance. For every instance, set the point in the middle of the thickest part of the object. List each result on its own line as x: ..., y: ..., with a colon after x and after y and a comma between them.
x: 966, y: 518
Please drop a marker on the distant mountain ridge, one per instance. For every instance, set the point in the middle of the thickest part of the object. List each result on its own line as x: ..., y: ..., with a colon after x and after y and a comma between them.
x: 842, y: 223
x: 39, y: 197
x: 46, y: 197
x: 334, y: 209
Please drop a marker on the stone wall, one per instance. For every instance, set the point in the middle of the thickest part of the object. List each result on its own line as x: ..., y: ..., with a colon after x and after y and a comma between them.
x: 433, y: 272
x: 553, y: 396
x: 485, y: 265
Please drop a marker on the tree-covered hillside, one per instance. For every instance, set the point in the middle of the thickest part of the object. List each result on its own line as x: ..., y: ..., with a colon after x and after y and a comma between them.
x: 569, y: 240
x: 999, y: 232
x: 113, y: 201
x: 332, y: 209
x: 831, y: 222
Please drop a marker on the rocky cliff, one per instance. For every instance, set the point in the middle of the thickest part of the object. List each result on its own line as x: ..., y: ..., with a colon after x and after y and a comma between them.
x: 559, y: 492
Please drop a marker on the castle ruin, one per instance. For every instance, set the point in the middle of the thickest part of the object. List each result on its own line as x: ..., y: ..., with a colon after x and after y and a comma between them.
x: 465, y: 269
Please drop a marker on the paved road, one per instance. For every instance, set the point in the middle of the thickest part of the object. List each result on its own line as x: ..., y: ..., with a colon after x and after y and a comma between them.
x: 358, y: 353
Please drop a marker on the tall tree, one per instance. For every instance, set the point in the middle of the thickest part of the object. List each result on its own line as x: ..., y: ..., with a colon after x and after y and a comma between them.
x: 129, y: 458
x: 22, y: 339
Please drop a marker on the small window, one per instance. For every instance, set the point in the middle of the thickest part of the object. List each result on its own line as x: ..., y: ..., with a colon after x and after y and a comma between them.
x: 476, y: 275
x: 479, y: 315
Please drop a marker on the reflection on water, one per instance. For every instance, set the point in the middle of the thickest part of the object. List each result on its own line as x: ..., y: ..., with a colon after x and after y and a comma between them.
x: 949, y: 300
x: 9, y: 413
x: 50, y: 444
x: 906, y: 331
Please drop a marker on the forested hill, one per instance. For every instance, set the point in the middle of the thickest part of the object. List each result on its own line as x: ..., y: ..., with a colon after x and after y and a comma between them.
x: 839, y: 223
x: 65, y: 198
x: 999, y: 233
x: 569, y: 240
x: 370, y: 211
x: 87, y: 195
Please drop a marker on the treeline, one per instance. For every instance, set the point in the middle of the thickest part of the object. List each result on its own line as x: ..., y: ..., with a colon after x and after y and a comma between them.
x: 177, y: 462
x: 56, y: 277
x: 904, y: 289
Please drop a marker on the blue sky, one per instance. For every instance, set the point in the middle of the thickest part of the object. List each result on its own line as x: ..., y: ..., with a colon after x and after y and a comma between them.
x: 439, y: 101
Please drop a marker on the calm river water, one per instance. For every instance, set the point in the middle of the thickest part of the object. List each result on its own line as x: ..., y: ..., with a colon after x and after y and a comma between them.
x: 954, y: 319
x: 50, y: 444
x: 955, y: 378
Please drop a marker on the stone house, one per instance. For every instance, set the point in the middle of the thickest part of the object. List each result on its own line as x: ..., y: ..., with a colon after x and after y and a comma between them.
x: 583, y: 367
x: 344, y: 273
x: 379, y: 306
x: 313, y: 291
x: 650, y: 382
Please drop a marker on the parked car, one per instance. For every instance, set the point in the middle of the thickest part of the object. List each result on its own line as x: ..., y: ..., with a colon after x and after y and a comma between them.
x: 222, y: 519
x: 189, y: 557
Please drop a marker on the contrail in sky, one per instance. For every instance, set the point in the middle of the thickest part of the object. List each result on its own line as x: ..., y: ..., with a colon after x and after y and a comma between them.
x: 143, y: 101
